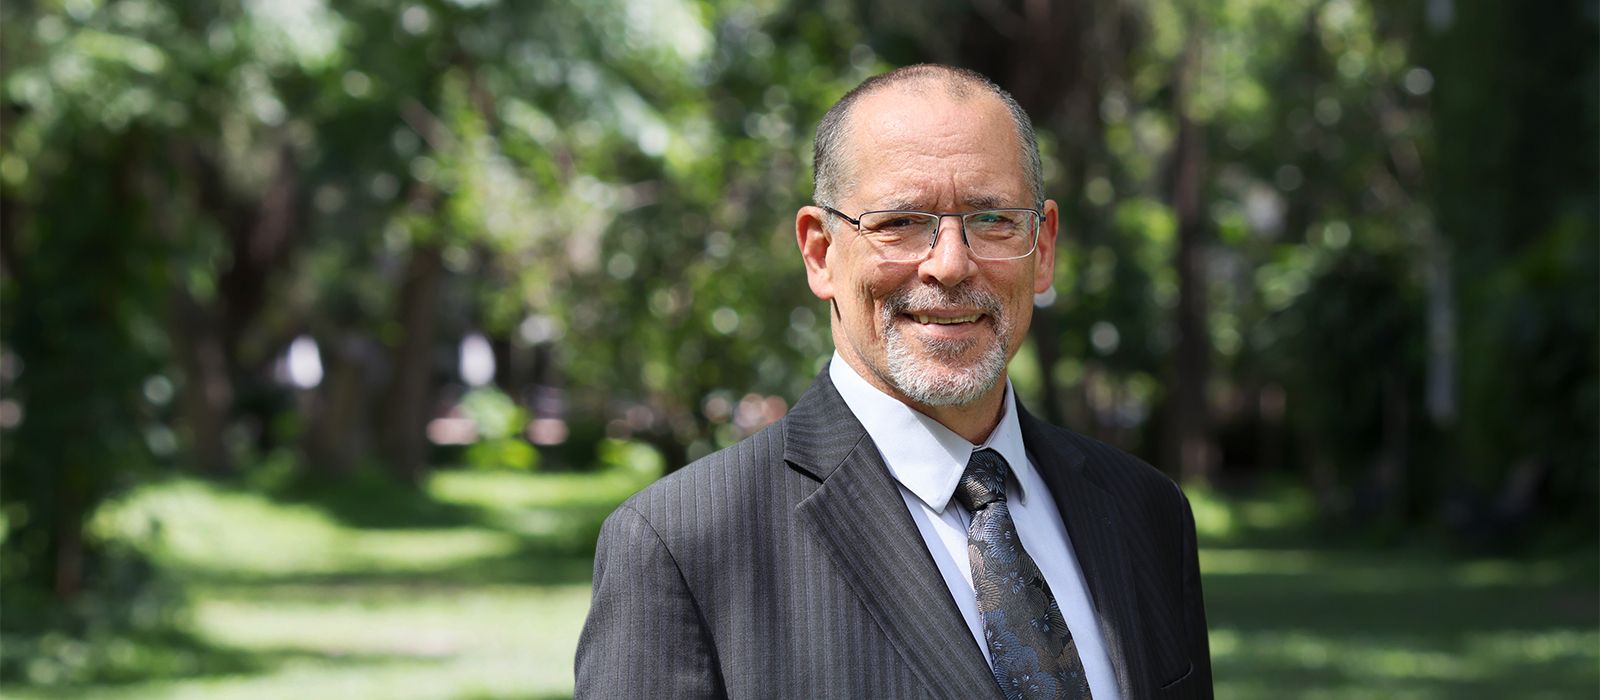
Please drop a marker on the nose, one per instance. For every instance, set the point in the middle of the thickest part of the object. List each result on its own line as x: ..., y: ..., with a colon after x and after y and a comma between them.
x: 950, y: 262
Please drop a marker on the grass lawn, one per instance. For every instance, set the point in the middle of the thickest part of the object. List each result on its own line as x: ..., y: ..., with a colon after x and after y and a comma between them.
x: 475, y: 589
x: 478, y: 587
x: 1289, y: 620
x: 1293, y: 623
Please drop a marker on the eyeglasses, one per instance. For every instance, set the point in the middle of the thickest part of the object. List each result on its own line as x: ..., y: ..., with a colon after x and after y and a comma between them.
x: 909, y: 236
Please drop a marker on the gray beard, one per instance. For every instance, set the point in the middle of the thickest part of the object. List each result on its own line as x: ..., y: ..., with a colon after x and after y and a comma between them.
x: 938, y: 380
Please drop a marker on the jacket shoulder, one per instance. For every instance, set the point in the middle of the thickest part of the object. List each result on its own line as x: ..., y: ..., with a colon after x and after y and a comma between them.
x: 1129, y: 478
x: 716, y: 490
x: 1113, y: 463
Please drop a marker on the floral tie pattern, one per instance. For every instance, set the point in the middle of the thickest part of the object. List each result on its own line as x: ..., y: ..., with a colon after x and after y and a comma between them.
x: 1031, y: 649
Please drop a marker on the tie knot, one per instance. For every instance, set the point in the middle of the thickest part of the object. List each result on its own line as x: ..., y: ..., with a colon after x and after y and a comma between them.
x: 984, y: 481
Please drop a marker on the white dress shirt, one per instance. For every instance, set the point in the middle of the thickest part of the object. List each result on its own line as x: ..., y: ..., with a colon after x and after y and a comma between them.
x: 927, y: 460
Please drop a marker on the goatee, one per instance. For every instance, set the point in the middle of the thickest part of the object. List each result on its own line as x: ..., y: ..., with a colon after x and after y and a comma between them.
x: 933, y: 372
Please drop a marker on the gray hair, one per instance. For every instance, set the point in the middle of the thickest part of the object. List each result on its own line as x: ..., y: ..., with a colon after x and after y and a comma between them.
x: 829, y: 168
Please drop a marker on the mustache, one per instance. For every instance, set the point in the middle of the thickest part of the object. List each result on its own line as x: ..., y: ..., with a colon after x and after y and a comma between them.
x: 966, y: 295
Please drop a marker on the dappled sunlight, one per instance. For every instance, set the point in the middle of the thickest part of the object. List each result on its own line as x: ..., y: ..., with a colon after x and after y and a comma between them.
x: 194, y: 524
x: 1359, y: 624
x: 333, y: 332
x: 313, y: 595
x: 424, y: 550
x: 1224, y: 562
x: 291, y: 598
x: 204, y: 528
x: 412, y: 621
x: 1362, y: 571
x: 1506, y: 572
x: 630, y: 466
x: 1252, y: 665
x: 1220, y: 519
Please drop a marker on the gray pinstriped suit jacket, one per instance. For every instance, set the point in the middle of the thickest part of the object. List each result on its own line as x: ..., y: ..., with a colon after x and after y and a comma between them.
x: 786, y: 566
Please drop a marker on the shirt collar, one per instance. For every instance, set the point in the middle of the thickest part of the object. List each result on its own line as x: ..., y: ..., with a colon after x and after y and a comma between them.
x: 923, y: 455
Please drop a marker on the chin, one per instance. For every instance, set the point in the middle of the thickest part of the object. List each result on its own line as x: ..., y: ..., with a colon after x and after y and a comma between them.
x: 938, y: 377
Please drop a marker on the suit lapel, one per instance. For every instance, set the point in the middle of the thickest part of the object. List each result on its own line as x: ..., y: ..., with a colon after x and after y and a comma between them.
x: 1093, y: 521
x: 860, y: 520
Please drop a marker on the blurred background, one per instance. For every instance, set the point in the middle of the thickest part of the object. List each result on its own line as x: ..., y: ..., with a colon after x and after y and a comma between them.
x: 331, y: 331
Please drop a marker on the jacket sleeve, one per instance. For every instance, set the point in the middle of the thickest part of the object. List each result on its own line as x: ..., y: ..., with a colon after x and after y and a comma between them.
x: 645, y: 636
x: 1195, y: 634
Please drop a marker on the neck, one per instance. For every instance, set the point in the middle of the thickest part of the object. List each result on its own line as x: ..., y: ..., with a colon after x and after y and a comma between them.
x: 973, y: 421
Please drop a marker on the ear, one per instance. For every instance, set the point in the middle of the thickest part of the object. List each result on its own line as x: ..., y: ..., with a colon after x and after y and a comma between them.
x: 1044, y: 273
x: 811, y: 233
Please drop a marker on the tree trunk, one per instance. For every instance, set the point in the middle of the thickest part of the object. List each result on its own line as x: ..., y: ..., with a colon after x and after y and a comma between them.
x: 336, y: 434
x: 206, y: 397
x: 68, y: 536
x: 260, y: 235
x: 1047, y: 349
x: 1390, y: 477
x: 1190, y: 432
x: 412, y: 390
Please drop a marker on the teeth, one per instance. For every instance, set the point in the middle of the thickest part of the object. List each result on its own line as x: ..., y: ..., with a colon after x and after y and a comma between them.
x: 919, y: 318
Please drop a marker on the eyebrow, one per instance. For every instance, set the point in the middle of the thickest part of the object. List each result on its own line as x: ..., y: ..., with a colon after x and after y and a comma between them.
x: 984, y: 201
x: 974, y: 202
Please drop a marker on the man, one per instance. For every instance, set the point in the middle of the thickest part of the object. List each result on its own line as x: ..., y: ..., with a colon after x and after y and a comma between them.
x: 908, y: 530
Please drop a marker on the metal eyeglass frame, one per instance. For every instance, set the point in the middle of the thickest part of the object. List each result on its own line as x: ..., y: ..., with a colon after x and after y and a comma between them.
x: 960, y: 216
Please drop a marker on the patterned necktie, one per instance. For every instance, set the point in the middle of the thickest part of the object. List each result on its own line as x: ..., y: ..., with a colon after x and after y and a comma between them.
x: 1030, y: 647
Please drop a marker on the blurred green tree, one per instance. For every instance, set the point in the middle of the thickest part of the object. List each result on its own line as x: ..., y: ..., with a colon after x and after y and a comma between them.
x: 1348, y: 244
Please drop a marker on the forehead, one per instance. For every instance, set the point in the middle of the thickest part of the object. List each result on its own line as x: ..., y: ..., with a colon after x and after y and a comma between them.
x: 923, y: 146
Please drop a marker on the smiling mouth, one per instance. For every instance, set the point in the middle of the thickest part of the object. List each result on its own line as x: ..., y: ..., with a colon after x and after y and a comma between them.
x: 945, y: 320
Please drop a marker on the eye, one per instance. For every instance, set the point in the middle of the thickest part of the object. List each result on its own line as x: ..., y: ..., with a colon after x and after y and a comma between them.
x: 894, y: 223
x: 997, y: 218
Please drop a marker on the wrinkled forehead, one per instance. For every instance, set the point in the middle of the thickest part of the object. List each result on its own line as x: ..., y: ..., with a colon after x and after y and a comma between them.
x: 911, y: 141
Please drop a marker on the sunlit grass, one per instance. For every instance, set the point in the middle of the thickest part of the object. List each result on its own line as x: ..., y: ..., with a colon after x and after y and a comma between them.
x: 201, y: 528
x: 1268, y: 515
x: 372, y: 641
x: 477, y: 588
x: 1359, y: 624
x: 1487, y: 664
x: 479, y: 594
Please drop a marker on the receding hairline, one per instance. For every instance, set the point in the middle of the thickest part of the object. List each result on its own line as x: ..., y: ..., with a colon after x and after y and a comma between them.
x: 960, y: 93
x: 960, y: 83
x: 832, y: 172
x: 922, y: 78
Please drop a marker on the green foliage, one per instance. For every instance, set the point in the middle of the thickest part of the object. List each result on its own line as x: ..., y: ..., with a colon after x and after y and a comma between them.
x: 1521, y: 205
x: 1354, y: 303
x: 96, y: 637
x: 499, y: 422
x: 502, y: 453
x: 82, y: 335
x: 1396, y: 239
x: 494, y: 414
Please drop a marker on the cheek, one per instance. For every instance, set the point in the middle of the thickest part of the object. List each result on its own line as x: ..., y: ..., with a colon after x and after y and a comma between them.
x: 864, y: 294
x: 866, y: 307
x: 872, y: 286
x: 1019, y: 301
x: 1021, y: 318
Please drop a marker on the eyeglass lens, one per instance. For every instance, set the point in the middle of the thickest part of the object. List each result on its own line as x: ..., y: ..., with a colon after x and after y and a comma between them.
x: 995, y: 234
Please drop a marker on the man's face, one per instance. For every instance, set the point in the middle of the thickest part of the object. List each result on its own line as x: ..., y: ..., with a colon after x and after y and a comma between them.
x: 939, y: 331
